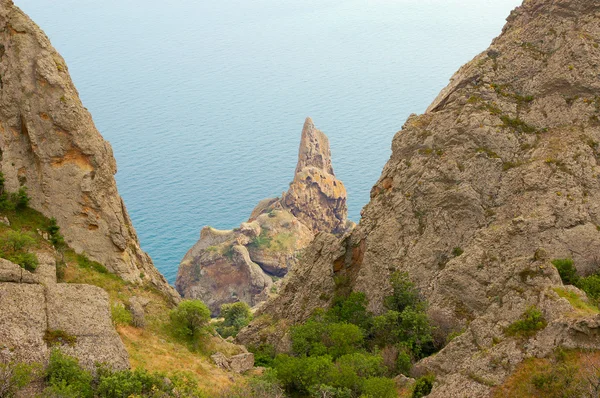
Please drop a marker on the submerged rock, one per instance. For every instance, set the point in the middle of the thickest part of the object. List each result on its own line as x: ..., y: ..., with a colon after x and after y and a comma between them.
x: 238, y: 265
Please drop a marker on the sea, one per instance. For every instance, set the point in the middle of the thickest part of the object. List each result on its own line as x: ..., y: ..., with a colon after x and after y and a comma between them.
x: 203, y: 101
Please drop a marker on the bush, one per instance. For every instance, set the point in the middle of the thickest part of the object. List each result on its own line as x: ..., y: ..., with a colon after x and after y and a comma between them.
x: 351, y: 370
x: 404, y: 295
x: 325, y: 391
x: 531, y: 321
x: 21, y: 199
x: 189, y: 320
x: 14, y: 377
x: 14, y: 246
x: 351, y: 309
x: 65, y: 375
x: 264, y: 354
x: 423, y: 386
x: 566, y: 270
x: 379, y: 387
x: 56, y: 238
x: 591, y: 286
x: 120, y: 315
x: 236, y: 316
x: 300, y: 374
x: 317, y: 337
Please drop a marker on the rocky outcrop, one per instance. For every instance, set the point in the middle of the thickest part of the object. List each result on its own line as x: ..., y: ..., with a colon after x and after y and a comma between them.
x: 38, y: 314
x: 238, y: 363
x: 237, y: 265
x: 496, y: 179
x: 315, y: 196
x: 50, y: 145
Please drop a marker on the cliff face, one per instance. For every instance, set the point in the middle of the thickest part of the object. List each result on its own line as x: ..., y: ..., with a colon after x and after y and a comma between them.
x: 50, y: 145
x: 229, y: 266
x: 496, y: 179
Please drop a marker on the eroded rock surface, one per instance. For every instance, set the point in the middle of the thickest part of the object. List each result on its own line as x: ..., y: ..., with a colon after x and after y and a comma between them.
x: 496, y: 179
x: 238, y: 265
x: 50, y: 145
x: 34, y: 306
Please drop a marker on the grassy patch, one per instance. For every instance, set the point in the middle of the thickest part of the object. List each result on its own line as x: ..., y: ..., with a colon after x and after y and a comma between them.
x: 59, y: 337
x: 530, y: 323
x: 566, y: 374
x: 583, y: 307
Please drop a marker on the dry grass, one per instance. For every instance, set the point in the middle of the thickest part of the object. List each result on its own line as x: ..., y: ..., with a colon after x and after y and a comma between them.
x: 582, y: 307
x: 151, y: 352
x: 584, y: 364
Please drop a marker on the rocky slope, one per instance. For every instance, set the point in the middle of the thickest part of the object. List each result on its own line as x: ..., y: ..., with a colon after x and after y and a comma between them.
x: 228, y: 266
x: 496, y: 179
x: 38, y: 314
x: 50, y: 145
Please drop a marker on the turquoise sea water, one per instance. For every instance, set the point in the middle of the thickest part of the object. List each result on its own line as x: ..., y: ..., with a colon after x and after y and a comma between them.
x: 203, y: 101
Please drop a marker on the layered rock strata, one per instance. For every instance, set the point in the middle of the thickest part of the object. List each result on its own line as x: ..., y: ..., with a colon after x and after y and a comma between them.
x: 496, y: 179
x: 238, y: 265
x: 50, y: 145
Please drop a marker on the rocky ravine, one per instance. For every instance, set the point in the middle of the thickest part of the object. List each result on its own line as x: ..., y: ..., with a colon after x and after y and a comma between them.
x: 237, y: 265
x: 504, y: 166
x: 49, y: 144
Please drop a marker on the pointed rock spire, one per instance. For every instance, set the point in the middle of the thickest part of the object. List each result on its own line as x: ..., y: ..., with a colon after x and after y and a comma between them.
x: 315, y: 196
x: 314, y: 149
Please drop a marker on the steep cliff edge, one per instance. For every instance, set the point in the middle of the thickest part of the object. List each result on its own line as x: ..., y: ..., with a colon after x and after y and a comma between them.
x: 496, y: 179
x: 50, y: 145
x: 229, y: 266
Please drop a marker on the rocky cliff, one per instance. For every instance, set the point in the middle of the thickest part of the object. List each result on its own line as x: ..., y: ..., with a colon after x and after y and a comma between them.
x: 496, y: 179
x: 238, y: 265
x: 50, y: 145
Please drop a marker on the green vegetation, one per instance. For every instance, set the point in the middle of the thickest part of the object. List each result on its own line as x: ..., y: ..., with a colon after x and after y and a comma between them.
x: 345, y: 351
x: 15, y: 246
x: 457, y: 251
x: 120, y: 315
x: 235, y: 317
x: 59, y: 337
x: 262, y: 241
x: 568, y: 274
x: 577, y: 302
x: 190, y: 321
x: 564, y: 374
x: 15, y: 376
x: 423, y: 386
x: 66, y: 378
x: 531, y: 321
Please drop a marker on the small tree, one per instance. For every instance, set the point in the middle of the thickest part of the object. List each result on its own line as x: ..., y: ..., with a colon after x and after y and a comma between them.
x: 190, y: 320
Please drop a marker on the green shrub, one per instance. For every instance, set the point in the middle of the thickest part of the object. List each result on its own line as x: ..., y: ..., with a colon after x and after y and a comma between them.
x: 56, y: 238
x: 65, y: 375
x: 351, y: 309
x: 379, y: 387
x: 300, y: 374
x: 59, y: 337
x: 404, y: 294
x: 264, y: 354
x: 591, y: 286
x: 457, y: 251
x: 423, y: 386
x: 14, y: 377
x: 21, y: 199
x: 120, y: 315
x: 29, y: 261
x: 350, y: 371
x: 190, y: 320
x: 235, y: 317
x: 14, y: 246
x: 316, y: 337
x: 566, y: 270
x: 531, y: 321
